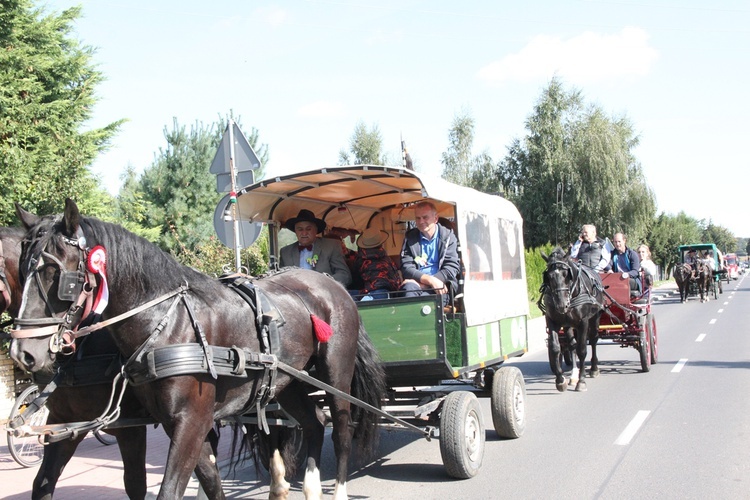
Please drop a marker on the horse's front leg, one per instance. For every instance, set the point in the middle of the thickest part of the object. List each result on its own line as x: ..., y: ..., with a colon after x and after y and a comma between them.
x: 187, y: 433
x: 207, y: 469
x: 582, y: 351
x: 553, y: 350
x: 594, y: 336
x: 56, y: 457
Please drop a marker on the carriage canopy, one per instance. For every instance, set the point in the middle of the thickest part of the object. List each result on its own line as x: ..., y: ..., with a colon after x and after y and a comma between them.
x: 352, y: 198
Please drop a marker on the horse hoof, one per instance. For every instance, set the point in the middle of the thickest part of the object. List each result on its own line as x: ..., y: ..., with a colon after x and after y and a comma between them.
x: 593, y: 373
x: 562, y: 387
x: 581, y: 386
x: 573, y: 381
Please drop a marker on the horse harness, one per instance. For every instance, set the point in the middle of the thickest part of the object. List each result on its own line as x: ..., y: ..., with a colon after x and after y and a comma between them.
x: 149, y: 363
x: 584, y: 293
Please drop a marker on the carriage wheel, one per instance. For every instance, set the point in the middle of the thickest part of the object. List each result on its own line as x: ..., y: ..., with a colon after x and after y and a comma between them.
x: 508, y: 402
x: 653, y: 336
x: 27, y: 451
x: 716, y: 291
x: 462, y: 434
x: 644, y: 348
x: 721, y: 287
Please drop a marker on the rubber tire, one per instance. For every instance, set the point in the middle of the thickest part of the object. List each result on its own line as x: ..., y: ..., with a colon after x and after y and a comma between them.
x: 104, y: 438
x: 721, y: 288
x: 508, y: 402
x: 27, y: 451
x: 716, y: 291
x: 462, y: 435
x: 645, y: 351
x: 654, y: 336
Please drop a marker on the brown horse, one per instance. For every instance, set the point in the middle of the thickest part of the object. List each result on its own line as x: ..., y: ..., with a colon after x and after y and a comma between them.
x: 681, y: 275
x: 573, y: 300
x: 703, y: 278
x: 83, y: 394
x: 156, y: 304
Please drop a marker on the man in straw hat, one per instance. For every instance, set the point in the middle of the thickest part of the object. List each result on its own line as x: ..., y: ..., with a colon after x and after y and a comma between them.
x: 310, y: 252
x: 378, y: 272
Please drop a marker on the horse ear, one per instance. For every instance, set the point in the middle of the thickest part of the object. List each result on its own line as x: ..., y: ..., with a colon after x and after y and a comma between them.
x: 71, y: 217
x: 544, y: 256
x: 27, y: 218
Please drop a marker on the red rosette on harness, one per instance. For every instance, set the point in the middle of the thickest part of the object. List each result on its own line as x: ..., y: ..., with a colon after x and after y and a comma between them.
x: 323, y: 330
x: 97, y: 264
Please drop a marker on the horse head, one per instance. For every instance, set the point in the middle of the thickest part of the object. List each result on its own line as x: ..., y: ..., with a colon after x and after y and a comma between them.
x: 52, y: 268
x: 558, y: 279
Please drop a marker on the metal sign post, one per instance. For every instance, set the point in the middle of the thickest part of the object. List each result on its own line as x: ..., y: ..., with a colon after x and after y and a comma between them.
x: 233, y: 200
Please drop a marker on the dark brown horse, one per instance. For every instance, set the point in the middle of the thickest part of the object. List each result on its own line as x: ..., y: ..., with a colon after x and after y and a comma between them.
x: 572, y: 299
x: 682, y: 273
x: 155, y: 304
x: 83, y: 393
x: 703, y: 279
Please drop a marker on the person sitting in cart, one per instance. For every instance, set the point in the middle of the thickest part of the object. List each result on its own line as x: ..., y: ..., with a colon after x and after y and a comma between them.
x: 590, y: 250
x: 379, y: 274
x: 647, y: 265
x: 708, y: 259
x: 626, y: 262
x: 691, y: 260
x: 429, y: 256
x: 310, y: 252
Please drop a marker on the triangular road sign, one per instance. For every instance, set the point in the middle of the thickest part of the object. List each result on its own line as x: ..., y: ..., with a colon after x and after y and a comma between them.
x: 244, y: 156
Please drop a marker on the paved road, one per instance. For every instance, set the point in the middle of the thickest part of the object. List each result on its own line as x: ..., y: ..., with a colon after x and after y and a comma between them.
x: 96, y: 471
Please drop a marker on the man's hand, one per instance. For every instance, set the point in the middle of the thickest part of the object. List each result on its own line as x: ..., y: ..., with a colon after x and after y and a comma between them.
x: 433, y: 282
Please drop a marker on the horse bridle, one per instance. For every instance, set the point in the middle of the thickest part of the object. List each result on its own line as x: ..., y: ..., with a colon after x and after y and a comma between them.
x: 76, y: 287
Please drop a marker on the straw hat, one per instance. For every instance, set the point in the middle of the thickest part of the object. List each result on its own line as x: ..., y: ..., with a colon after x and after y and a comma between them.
x: 372, y: 238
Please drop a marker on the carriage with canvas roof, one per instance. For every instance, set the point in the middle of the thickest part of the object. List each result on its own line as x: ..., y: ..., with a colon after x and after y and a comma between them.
x: 421, y: 341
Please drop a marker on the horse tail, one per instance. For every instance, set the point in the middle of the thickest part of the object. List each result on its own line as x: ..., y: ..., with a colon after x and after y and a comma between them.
x: 368, y: 385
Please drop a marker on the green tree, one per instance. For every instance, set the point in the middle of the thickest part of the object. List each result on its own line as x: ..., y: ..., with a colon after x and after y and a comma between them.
x: 48, y: 83
x: 365, y: 147
x: 178, y: 192
x: 669, y: 232
x: 457, y: 161
x: 720, y: 236
x: 576, y: 166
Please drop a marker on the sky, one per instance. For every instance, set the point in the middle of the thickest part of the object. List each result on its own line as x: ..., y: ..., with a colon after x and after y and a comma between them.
x: 304, y: 73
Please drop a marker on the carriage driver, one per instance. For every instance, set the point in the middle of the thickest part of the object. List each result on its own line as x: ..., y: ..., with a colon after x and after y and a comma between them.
x: 691, y: 260
x: 590, y: 250
x: 626, y: 262
x: 308, y: 252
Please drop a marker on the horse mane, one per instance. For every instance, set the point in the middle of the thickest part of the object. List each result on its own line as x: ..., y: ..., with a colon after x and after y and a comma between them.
x: 149, y: 269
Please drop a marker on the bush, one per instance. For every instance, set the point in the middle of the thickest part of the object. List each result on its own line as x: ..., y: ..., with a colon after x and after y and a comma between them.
x: 535, y: 267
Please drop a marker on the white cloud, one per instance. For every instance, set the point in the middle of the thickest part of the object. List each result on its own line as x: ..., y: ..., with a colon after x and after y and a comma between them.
x: 274, y: 16
x: 586, y: 58
x: 322, y: 109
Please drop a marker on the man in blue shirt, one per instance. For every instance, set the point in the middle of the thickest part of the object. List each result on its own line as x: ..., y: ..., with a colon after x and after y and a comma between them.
x: 429, y: 256
x: 626, y: 262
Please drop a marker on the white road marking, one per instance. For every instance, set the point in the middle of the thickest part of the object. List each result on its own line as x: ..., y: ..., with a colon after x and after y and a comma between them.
x: 635, y: 424
x: 712, y: 321
x: 721, y: 311
x: 679, y: 366
x: 701, y: 337
x: 726, y: 303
